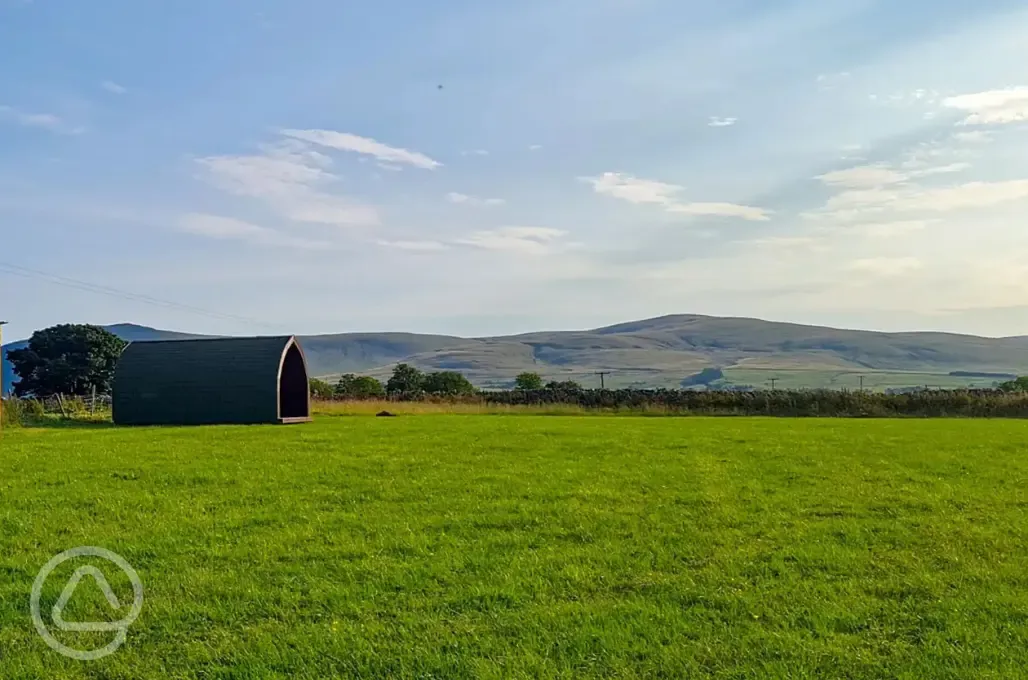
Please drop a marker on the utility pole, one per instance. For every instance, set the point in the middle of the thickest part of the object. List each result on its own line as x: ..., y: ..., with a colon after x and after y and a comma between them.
x: 773, y: 381
x: 2, y: 324
x: 601, y: 374
x: 861, y: 383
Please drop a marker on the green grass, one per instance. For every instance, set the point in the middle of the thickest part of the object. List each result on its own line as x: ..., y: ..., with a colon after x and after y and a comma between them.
x: 532, y: 547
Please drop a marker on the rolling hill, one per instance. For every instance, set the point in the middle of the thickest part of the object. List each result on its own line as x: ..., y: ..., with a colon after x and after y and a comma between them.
x: 661, y: 352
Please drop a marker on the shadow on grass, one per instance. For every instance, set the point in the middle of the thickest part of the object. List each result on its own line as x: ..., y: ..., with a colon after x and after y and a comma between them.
x: 68, y: 423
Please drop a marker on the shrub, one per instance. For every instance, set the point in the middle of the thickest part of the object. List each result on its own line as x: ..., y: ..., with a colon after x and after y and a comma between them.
x: 405, y: 380
x: 528, y: 381
x: 352, y: 386
x: 447, y: 383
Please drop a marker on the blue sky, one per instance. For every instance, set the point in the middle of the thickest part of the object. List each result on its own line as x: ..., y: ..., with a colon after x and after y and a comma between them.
x: 295, y: 166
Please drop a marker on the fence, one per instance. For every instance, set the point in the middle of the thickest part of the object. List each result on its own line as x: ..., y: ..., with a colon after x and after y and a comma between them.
x: 17, y: 410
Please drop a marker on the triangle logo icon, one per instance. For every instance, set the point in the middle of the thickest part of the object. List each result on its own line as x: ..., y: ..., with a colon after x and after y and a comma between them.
x: 69, y: 591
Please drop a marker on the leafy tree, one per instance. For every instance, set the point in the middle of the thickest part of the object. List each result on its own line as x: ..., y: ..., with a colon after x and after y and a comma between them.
x: 528, y: 381
x: 564, y: 386
x: 405, y: 379
x: 448, y: 383
x: 67, y: 359
x: 352, y: 386
x: 1017, y: 385
x: 321, y: 389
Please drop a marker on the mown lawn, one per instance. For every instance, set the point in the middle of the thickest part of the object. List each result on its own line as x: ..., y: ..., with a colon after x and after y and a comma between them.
x: 529, y: 546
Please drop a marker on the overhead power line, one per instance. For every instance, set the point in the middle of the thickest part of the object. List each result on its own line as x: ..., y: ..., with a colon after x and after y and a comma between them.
x: 109, y: 291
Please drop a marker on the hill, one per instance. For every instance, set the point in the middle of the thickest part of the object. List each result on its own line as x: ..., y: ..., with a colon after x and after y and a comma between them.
x: 664, y: 351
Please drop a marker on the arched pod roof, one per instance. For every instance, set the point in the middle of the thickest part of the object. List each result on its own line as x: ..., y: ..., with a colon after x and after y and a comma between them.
x: 211, y: 381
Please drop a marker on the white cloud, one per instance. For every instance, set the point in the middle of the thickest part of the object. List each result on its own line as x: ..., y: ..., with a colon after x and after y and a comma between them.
x: 475, y: 152
x: 886, y: 266
x: 863, y: 176
x: 992, y: 107
x: 721, y: 210
x: 417, y: 246
x: 888, y: 230
x: 519, y: 240
x: 633, y: 189
x: 639, y: 191
x: 344, y: 141
x: 44, y: 121
x: 228, y: 228
x: 788, y: 243
x: 856, y: 204
x: 535, y: 147
x: 882, y: 174
x: 969, y: 195
x: 722, y: 122
x: 291, y: 180
x: 113, y: 87
x: 454, y: 197
x: 907, y: 98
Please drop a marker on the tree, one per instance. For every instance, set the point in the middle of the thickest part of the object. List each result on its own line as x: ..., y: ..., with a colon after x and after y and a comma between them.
x: 528, y: 381
x: 321, y: 389
x: 448, y: 383
x: 564, y: 386
x: 70, y: 359
x: 352, y: 386
x: 405, y: 379
x: 1017, y: 385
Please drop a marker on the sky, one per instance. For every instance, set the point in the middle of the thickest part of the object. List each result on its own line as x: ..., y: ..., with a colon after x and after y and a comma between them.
x: 484, y: 168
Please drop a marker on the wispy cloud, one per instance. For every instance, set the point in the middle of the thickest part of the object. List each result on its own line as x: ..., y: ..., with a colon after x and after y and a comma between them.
x: 863, y: 176
x: 518, y: 240
x: 475, y: 152
x: 867, y: 200
x: 889, y: 230
x: 886, y: 266
x: 633, y: 189
x: 44, y: 121
x: 113, y: 87
x: 228, y: 228
x: 722, y: 122
x: 292, y: 180
x: 788, y: 243
x: 972, y: 137
x: 636, y: 190
x: 345, y: 141
x: 464, y: 199
x: 907, y: 98
x: 417, y: 246
x: 992, y: 107
x: 746, y: 212
x: 535, y: 147
x: 882, y: 174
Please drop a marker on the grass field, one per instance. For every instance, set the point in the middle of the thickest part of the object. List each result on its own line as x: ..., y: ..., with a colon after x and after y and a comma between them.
x: 463, y: 546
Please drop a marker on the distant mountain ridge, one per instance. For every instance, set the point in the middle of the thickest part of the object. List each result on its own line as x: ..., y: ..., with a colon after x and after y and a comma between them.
x: 659, y: 352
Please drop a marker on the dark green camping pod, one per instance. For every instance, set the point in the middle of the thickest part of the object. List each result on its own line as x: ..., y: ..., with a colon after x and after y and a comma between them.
x: 212, y: 382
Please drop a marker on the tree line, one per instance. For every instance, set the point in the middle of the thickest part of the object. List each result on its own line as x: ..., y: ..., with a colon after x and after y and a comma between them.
x: 79, y: 360
x: 409, y: 382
